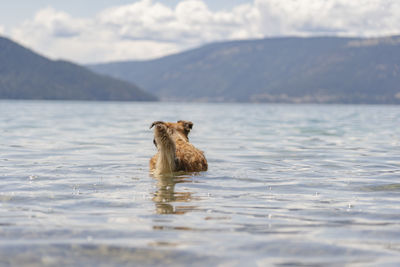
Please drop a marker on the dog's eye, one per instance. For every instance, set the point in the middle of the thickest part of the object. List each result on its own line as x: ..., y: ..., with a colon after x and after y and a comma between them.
x: 154, y: 142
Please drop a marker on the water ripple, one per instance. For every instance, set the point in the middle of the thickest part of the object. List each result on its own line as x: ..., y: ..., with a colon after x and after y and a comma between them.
x: 287, y: 185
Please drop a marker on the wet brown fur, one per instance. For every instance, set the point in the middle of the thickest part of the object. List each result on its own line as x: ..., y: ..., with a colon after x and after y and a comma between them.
x: 175, y: 153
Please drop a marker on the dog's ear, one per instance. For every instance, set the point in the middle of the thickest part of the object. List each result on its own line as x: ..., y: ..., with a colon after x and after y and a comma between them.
x: 187, y: 125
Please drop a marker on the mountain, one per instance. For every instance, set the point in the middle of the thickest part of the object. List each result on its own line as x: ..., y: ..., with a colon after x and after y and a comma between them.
x: 293, y: 70
x: 27, y: 75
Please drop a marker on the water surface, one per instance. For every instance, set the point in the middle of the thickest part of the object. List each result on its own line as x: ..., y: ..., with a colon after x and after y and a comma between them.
x: 286, y: 185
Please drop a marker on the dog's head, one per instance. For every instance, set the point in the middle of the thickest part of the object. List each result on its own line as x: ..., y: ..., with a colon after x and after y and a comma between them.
x: 181, y: 127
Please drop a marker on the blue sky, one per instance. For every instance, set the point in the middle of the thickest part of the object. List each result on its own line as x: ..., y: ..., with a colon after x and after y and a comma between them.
x: 88, y: 31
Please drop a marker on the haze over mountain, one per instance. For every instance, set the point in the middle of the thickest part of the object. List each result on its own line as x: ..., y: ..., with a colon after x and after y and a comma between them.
x: 293, y: 70
x: 27, y: 75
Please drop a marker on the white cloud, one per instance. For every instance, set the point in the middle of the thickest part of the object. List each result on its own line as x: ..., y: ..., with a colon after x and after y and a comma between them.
x: 2, y: 30
x: 148, y: 29
x: 340, y: 17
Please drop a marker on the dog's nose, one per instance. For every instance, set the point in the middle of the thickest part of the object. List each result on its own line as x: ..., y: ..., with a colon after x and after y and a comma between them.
x: 155, y: 123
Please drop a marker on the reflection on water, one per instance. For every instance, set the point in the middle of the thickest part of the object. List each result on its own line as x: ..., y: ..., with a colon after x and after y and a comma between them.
x: 167, y: 199
x: 386, y: 187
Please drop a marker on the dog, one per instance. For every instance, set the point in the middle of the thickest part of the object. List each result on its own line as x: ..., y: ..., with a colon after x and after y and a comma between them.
x: 175, y: 153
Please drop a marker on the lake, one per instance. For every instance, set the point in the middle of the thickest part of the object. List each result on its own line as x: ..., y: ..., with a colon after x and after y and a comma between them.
x: 287, y: 185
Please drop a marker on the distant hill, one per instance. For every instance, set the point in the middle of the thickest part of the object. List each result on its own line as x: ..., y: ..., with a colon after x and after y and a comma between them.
x: 27, y: 75
x: 294, y: 70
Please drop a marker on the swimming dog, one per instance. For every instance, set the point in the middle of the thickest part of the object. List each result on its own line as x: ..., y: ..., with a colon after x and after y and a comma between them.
x: 175, y: 153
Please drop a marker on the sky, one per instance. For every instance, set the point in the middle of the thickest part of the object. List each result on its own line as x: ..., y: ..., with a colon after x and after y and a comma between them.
x: 93, y: 31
